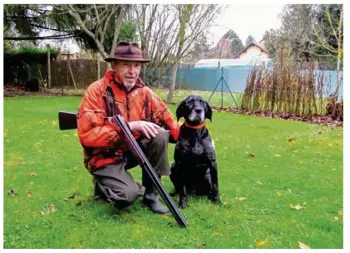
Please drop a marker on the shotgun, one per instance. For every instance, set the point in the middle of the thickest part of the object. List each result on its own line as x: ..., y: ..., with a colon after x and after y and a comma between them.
x: 68, y: 120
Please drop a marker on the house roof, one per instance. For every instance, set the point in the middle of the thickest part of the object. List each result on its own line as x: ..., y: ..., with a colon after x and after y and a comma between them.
x: 259, y: 45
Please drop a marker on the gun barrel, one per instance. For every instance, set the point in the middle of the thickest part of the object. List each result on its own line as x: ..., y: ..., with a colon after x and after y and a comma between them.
x: 144, y: 163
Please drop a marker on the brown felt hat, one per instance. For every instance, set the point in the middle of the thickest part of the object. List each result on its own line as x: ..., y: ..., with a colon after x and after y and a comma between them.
x: 127, y: 51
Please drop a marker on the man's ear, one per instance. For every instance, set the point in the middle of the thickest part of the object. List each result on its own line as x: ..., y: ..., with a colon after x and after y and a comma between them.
x: 181, y: 110
x: 208, y: 111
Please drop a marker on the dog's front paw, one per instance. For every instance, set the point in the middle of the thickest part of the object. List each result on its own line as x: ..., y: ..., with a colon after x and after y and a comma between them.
x: 182, y: 202
x: 214, y: 197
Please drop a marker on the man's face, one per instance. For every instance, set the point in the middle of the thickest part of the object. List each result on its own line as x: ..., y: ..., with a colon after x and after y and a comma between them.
x: 128, y: 72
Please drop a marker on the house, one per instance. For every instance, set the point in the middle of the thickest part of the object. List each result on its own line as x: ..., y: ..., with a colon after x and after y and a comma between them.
x: 253, y: 50
x: 65, y: 55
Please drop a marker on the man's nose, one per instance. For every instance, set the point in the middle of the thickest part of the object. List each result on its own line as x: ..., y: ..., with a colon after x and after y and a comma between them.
x: 131, y: 69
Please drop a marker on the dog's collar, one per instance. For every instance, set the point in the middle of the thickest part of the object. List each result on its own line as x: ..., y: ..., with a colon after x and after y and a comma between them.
x: 200, y: 126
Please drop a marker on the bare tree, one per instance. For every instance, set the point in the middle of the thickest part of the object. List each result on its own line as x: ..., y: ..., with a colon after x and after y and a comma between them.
x: 193, y: 19
x: 94, y: 20
x: 329, y: 34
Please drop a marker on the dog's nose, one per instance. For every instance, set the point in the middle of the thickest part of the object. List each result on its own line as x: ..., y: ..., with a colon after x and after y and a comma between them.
x: 198, y: 110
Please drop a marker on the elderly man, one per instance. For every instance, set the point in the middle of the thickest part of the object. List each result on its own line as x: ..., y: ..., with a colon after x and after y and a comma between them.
x: 121, y: 91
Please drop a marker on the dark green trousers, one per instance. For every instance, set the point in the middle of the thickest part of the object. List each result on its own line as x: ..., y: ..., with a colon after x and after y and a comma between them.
x: 113, y: 181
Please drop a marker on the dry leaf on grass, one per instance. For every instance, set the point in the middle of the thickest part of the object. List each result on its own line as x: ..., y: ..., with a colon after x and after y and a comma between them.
x: 261, y: 243
x: 165, y: 216
x: 216, y: 232
x: 297, y: 206
x: 251, y: 155
x: 52, y: 208
x: 32, y: 174
x: 11, y: 192
x: 29, y: 194
x: 291, y: 139
x: 303, y: 246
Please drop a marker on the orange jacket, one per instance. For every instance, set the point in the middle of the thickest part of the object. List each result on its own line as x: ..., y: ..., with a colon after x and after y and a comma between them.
x: 99, y: 137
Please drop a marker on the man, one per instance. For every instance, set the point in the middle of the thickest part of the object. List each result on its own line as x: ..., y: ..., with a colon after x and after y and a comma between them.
x: 121, y: 91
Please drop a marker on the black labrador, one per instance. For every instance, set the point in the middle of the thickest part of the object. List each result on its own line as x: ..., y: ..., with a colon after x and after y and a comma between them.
x: 195, y: 169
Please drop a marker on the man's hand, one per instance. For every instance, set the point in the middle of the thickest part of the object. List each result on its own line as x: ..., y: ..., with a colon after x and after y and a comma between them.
x: 148, y: 129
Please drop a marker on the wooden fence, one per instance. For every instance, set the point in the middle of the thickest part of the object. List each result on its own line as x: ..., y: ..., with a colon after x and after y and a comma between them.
x: 77, y: 73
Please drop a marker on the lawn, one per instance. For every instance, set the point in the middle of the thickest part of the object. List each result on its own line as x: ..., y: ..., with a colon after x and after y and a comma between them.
x: 281, y: 183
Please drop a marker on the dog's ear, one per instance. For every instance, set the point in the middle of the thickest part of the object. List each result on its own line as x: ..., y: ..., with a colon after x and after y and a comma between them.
x: 181, y: 110
x: 208, y: 111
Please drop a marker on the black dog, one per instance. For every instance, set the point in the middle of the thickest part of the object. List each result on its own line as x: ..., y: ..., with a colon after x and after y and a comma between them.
x: 195, y: 169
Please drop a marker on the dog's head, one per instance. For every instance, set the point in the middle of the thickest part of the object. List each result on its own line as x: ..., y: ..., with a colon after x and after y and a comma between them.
x: 194, y: 109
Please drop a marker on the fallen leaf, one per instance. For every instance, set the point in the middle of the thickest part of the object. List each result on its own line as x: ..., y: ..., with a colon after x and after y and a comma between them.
x: 251, y: 155
x: 29, y: 194
x: 291, y: 139
x: 216, y: 232
x: 12, y: 192
x: 165, y: 216
x: 297, y: 206
x: 52, y: 208
x: 202, y: 244
x: 259, y: 244
x: 32, y: 174
x: 303, y: 246
x: 44, y: 210
x: 258, y: 182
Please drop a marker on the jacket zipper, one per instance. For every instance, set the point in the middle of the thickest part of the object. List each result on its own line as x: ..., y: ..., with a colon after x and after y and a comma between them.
x: 127, y: 107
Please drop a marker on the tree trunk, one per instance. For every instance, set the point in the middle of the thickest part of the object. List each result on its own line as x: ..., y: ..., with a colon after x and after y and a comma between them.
x: 118, y: 22
x: 184, y: 14
x: 48, y: 67
x: 336, y: 93
x: 172, y: 83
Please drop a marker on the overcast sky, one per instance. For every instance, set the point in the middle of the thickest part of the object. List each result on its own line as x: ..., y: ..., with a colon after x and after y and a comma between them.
x: 247, y: 19
x: 244, y: 19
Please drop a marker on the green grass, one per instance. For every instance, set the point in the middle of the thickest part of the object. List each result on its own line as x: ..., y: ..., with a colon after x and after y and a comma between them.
x: 306, y: 169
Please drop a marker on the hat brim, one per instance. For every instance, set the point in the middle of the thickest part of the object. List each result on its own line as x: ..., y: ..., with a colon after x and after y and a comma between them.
x: 110, y: 59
